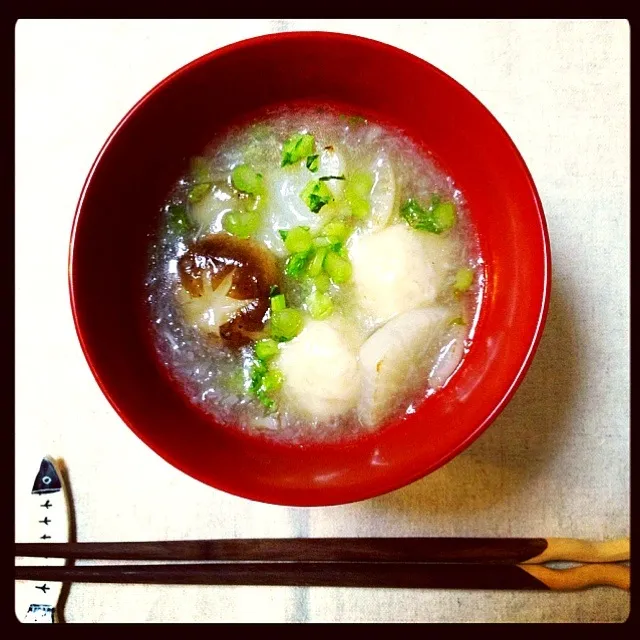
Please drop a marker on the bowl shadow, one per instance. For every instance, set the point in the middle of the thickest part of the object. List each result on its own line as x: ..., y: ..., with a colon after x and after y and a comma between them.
x: 520, y: 443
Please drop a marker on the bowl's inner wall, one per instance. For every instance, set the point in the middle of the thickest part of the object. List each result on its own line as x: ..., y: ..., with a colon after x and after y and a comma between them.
x: 150, y: 151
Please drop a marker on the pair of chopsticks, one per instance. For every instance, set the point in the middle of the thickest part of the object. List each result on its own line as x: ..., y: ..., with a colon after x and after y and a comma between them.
x: 443, y: 563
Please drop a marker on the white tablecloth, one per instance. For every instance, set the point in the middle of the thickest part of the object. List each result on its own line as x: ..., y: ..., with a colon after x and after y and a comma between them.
x: 556, y: 463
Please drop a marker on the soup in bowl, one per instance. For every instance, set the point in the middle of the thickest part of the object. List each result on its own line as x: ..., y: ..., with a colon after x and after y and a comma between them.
x: 311, y: 287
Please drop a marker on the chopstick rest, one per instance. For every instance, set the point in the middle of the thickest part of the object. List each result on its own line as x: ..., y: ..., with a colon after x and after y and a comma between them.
x: 49, y: 517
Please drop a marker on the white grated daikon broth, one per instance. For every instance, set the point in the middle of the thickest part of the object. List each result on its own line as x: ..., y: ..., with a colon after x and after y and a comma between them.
x: 215, y: 376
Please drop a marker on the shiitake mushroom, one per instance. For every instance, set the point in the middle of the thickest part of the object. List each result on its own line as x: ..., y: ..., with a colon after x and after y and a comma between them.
x: 226, y: 286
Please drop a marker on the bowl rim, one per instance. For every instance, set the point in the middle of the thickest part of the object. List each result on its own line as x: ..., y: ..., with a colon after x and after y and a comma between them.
x: 355, y: 494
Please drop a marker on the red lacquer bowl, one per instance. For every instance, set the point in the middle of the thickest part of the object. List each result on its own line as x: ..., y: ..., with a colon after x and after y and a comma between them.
x: 149, y: 150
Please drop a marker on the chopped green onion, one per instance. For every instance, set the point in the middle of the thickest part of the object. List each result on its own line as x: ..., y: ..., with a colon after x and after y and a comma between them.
x: 241, y: 223
x: 272, y: 380
x: 244, y: 178
x: 322, y: 282
x: 297, y: 147
x: 266, y: 349
x: 314, y: 267
x: 258, y: 369
x: 325, y: 178
x: 262, y: 382
x: 298, y: 240
x: 286, y: 323
x: 321, y: 241
x: 315, y: 195
x: 336, y: 231
x: 199, y: 191
x: 357, y: 192
x: 416, y: 216
x: 438, y: 217
x: 333, y: 209
x: 338, y: 268
x: 444, y: 215
x: 278, y: 303
x: 359, y: 207
x: 255, y: 202
x: 283, y: 233
x: 360, y: 184
x: 464, y: 279
x: 179, y: 222
x: 457, y: 320
x: 313, y: 162
x: 320, y: 305
x: 295, y: 264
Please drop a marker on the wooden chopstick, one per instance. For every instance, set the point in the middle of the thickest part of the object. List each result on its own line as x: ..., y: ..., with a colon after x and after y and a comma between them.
x: 441, y: 550
x: 333, y: 574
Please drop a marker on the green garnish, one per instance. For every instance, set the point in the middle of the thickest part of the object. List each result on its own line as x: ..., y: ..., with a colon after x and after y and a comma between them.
x: 315, y: 195
x: 321, y: 241
x: 360, y: 184
x: 438, y: 217
x: 457, y: 320
x: 313, y: 162
x: 266, y: 349
x: 255, y: 202
x: 357, y: 192
x: 272, y: 380
x: 241, y: 223
x: 244, y: 178
x: 286, y: 323
x: 298, y: 240
x: 359, y: 207
x: 278, y: 303
x: 322, y: 282
x: 444, y: 215
x: 199, y: 191
x: 297, y: 147
x: 295, y: 264
x: 179, y: 222
x: 263, y: 381
x: 341, y: 250
x: 320, y: 305
x: 283, y: 234
x: 314, y: 267
x: 325, y: 178
x: 257, y: 371
x: 336, y: 231
x: 464, y: 280
x: 338, y: 268
x: 416, y: 216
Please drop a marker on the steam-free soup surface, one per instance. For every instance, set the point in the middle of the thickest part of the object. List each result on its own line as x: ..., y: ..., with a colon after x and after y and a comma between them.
x: 315, y: 276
